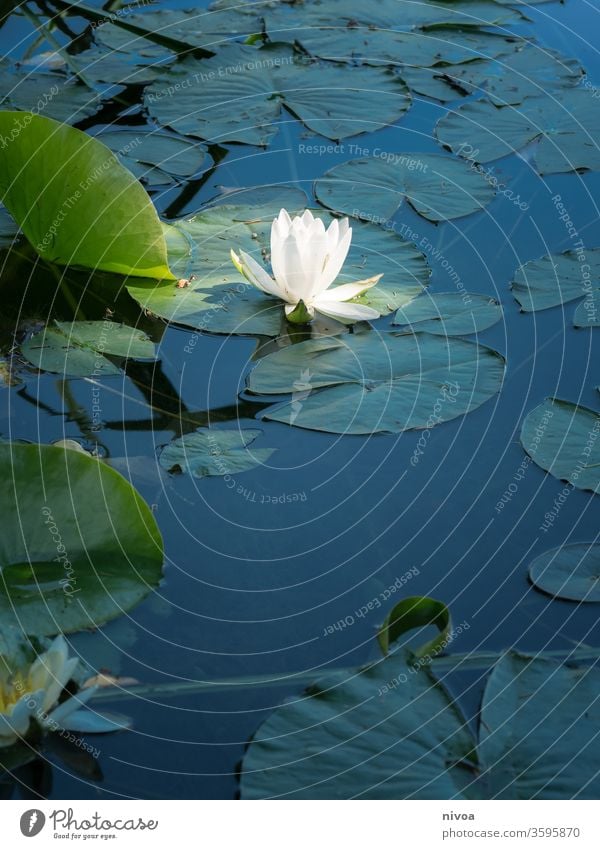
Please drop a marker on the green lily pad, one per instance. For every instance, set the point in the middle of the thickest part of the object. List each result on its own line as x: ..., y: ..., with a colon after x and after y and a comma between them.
x: 156, y: 157
x: 571, y: 572
x: 564, y: 439
x: 100, y: 65
x: 370, y: 383
x: 86, y: 547
x: 564, y: 125
x: 403, y: 49
x: 450, y: 313
x: 219, y: 300
x: 78, y: 348
x: 539, y: 732
x: 65, y: 99
x: 208, y: 451
x: 237, y: 95
x: 384, y: 732
x: 75, y: 202
x: 439, y: 188
x: 415, y: 612
x: 556, y: 279
x: 507, y: 80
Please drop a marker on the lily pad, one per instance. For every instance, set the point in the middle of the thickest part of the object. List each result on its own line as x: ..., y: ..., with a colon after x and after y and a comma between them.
x: 402, y: 49
x: 564, y: 439
x: 539, y: 731
x: 100, y: 65
x: 86, y: 547
x: 237, y: 95
x: 78, y: 348
x: 156, y: 157
x: 450, y: 313
x: 384, y: 732
x: 439, y: 188
x: 57, y: 96
x: 565, y: 126
x: 415, y: 612
x: 587, y: 313
x: 556, y: 279
x: 208, y: 451
x: 75, y: 202
x: 507, y: 80
x: 370, y: 383
x: 219, y: 300
x: 571, y: 572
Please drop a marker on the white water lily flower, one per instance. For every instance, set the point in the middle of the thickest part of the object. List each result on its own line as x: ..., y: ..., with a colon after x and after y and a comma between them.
x: 29, y: 697
x: 306, y: 259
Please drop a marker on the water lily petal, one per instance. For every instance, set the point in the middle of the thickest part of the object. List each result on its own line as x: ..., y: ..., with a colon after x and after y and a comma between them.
x: 347, y: 291
x: 16, y: 721
x: 66, y: 708
x: 284, y: 223
x: 93, y: 722
x: 57, y: 684
x: 298, y: 287
x: 346, y: 312
x: 334, y: 265
x: 255, y: 273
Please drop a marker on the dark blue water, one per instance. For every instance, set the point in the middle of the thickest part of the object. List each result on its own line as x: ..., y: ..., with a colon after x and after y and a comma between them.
x: 256, y: 573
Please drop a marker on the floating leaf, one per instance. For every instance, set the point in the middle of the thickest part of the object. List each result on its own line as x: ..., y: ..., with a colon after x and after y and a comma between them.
x: 507, y: 80
x: 539, y: 732
x: 564, y: 439
x: 214, y: 452
x: 156, y: 157
x: 369, y: 383
x: 237, y: 95
x: 220, y: 301
x: 556, y: 279
x: 587, y: 313
x: 78, y: 348
x: 450, y: 313
x: 384, y: 732
x: 438, y: 187
x: 110, y: 66
x: 59, y: 97
x: 86, y: 547
x: 565, y: 125
x: 571, y: 572
x: 75, y: 202
x: 416, y: 612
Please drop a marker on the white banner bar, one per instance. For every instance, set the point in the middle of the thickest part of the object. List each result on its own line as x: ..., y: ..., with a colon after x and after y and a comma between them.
x: 296, y: 825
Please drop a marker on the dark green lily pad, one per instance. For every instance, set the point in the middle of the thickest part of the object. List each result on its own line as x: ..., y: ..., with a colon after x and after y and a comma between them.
x: 565, y: 126
x: 450, y: 313
x: 437, y: 187
x: 507, y: 80
x: 86, y: 546
x: 208, y: 451
x: 556, y: 279
x: 370, y: 383
x: 564, y: 439
x: 539, y: 732
x: 156, y: 157
x: 57, y: 96
x: 571, y: 572
x: 384, y: 732
x: 237, y: 95
x: 78, y: 348
x: 416, y: 612
x: 100, y: 65
x: 219, y: 300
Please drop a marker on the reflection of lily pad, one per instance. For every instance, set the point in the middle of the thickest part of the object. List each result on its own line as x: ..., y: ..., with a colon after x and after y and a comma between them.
x: 566, y: 127
x: 86, y: 548
x: 564, y: 439
x: 450, y: 313
x: 238, y: 94
x: 559, y: 278
x: 214, y: 452
x: 78, y: 348
x: 507, y: 80
x: 571, y: 572
x: 219, y: 300
x: 156, y: 157
x: 437, y: 187
x: 392, y: 732
x: 368, y: 383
